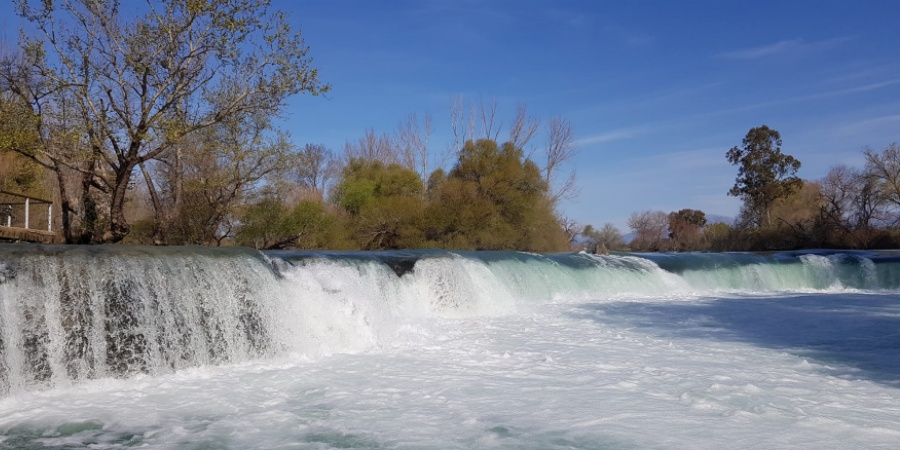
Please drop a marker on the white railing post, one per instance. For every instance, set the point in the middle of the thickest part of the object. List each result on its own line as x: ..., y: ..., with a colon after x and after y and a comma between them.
x: 26, y: 213
x: 50, y: 217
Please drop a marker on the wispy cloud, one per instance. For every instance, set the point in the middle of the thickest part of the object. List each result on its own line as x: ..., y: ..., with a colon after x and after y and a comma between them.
x: 609, y: 136
x: 788, y: 46
x: 801, y: 98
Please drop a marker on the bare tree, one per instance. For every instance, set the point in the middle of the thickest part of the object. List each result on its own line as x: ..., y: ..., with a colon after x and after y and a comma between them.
x: 315, y: 167
x: 523, y: 127
x: 560, y: 149
x: 413, y: 142
x: 838, y: 192
x: 649, y: 228
x: 853, y: 204
x: 457, y: 125
x: 372, y: 147
x: 571, y: 228
x: 884, y: 168
x: 464, y: 121
x: 488, y: 116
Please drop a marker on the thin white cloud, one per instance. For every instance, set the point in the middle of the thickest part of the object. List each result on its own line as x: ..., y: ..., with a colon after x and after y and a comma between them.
x: 782, y: 47
x: 801, y: 98
x: 607, y: 137
x: 640, y: 130
x: 767, y: 50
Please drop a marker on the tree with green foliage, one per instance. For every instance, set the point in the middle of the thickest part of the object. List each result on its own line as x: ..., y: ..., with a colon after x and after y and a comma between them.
x: 17, y: 135
x: 764, y: 174
x: 494, y: 199
x: 718, y: 237
x: 269, y: 224
x: 203, y: 182
x: 138, y: 84
x: 385, y: 202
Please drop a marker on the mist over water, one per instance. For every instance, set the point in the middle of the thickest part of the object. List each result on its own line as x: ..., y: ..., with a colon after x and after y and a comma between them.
x: 119, y: 347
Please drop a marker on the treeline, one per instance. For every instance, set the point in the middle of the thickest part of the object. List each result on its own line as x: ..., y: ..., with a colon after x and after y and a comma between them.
x: 493, y: 198
x: 852, y: 208
x: 156, y: 127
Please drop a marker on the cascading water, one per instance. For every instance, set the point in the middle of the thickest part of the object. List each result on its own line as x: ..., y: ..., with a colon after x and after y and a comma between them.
x: 71, y: 313
x: 117, y: 347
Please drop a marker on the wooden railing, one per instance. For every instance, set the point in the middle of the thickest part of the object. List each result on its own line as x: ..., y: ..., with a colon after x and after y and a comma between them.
x: 17, y: 214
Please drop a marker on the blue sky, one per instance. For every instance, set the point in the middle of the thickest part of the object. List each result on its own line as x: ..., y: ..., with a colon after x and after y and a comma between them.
x: 656, y: 92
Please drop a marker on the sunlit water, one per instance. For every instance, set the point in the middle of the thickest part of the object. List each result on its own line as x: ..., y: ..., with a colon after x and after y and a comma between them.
x: 463, y: 351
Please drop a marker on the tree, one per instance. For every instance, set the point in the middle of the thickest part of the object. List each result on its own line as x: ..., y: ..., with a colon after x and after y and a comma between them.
x: 269, y: 224
x: 718, y: 237
x: 413, y: 142
x: 686, y: 229
x: 17, y: 133
x: 838, y: 197
x: 650, y: 230
x: 385, y: 203
x: 798, y: 215
x: 764, y: 174
x: 884, y: 168
x: 315, y: 166
x: 139, y: 85
x: 523, y: 127
x: 493, y: 199
x: 560, y: 149
x: 211, y: 173
x: 42, y: 125
x: 852, y: 206
x: 372, y: 147
x: 603, y: 240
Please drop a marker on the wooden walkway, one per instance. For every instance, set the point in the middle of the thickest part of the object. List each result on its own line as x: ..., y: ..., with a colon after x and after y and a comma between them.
x: 17, y: 218
x: 17, y: 234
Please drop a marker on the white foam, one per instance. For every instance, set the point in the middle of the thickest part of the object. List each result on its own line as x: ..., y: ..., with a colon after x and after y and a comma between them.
x: 566, y: 375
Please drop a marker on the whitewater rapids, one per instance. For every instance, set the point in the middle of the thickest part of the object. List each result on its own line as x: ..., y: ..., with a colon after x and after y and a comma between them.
x: 122, y: 347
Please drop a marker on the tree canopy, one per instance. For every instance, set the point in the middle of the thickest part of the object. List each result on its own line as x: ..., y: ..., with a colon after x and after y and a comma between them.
x: 127, y: 89
x: 764, y: 174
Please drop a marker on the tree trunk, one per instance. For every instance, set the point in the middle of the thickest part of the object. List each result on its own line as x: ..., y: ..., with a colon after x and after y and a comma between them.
x: 158, y: 219
x: 118, y: 225
x: 88, y: 232
x: 65, y: 206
